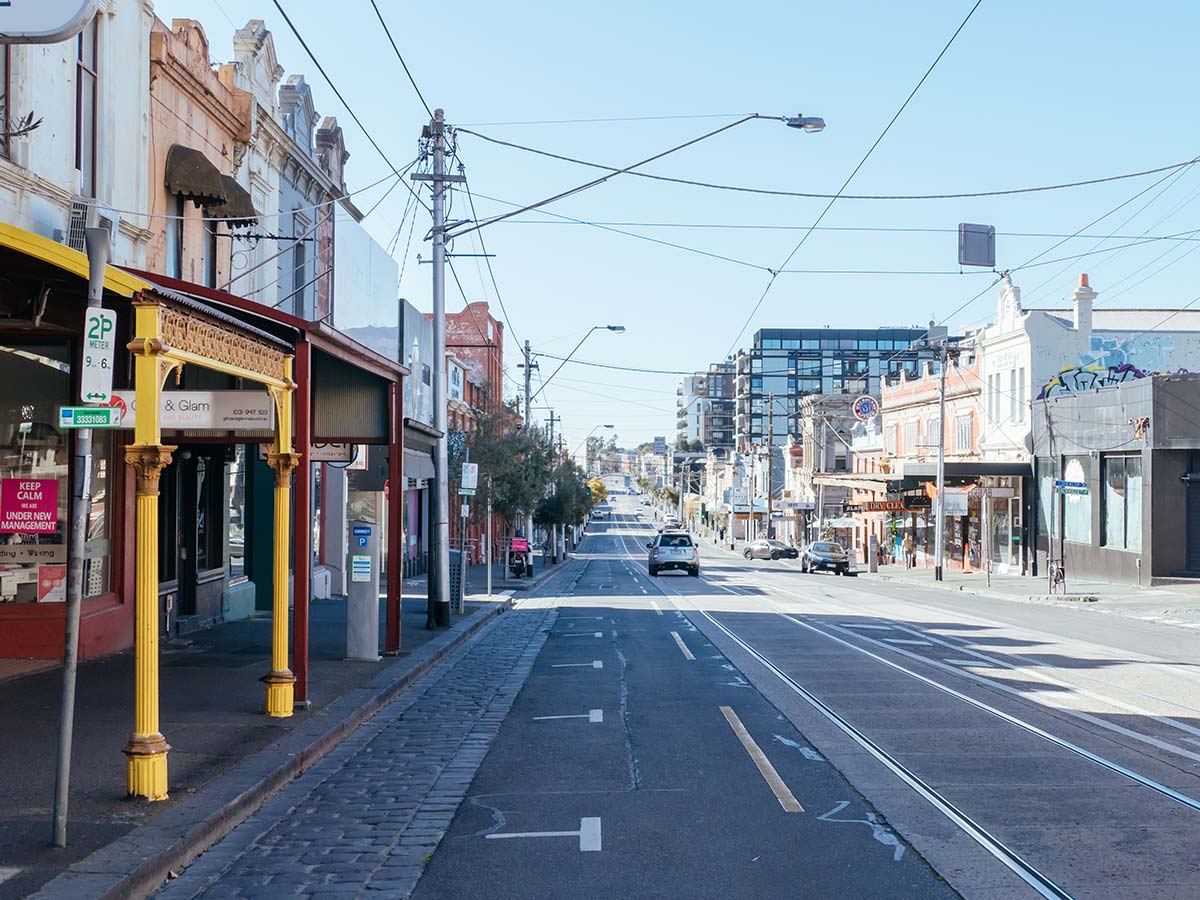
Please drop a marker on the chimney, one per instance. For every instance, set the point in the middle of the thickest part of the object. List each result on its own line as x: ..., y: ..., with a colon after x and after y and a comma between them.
x: 1082, y: 301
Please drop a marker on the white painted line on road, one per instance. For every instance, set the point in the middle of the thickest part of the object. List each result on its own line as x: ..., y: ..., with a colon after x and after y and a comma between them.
x: 862, y: 625
x: 968, y: 662
x: 657, y: 608
x: 7, y: 872
x: 581, y: 617
x: 592, y: 715
x: 593, y: 634
x: 687, y: 654
x: 785, y: 797
x: 907, y: 641
x: 1190, y: 740
x: 594, y: 664
x: 588, y: 834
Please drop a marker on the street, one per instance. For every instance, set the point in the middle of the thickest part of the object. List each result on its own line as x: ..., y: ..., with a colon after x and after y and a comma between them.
x: 754, y: 732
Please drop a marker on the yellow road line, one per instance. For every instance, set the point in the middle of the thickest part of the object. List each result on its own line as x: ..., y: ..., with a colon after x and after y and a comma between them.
x: 785, y: 797
x: 682, y: 646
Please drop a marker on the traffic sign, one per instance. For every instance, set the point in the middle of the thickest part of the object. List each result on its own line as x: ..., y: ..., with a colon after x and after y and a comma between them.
x: 99, y: 340
x: 89, y: 417
x: 1067, y: 489
x: 466, y: 492
x: 866, y: 408
x: 470, y: 477
x: 466, y: 511
x: 1070, y: 484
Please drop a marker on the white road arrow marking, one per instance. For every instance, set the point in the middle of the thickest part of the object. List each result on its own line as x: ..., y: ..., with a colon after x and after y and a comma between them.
x: 588, y: 834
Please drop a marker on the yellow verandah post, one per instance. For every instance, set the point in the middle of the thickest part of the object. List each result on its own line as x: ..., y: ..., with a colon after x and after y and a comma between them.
x: 280, y: 681
x: 146, y: 750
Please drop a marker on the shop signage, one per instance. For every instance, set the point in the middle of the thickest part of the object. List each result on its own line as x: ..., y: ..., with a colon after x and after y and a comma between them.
x: 218, y: 410
x: 335, y: 453
x: 797, y: 504
x: 360, y: 568
x: 89, y: 417
x: 28, y: 505
x: 99, y: 340
x: 884, y: 506
x: 866, y: 408
x: 52, y: 584
x: 43, y: 21
x: 954, y: 503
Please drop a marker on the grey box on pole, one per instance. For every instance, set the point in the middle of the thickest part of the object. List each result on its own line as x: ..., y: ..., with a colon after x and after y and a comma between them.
x: 362, y: 592
x: 977, y: 245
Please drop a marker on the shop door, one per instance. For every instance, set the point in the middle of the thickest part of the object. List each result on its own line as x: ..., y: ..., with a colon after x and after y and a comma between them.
x: 187, y: 536
x: 1192, y: 480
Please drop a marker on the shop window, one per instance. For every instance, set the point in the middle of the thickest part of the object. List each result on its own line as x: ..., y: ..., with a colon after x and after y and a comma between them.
x: 34, y: 460
x: 98, y: 548
x: 1045, y: 495
x: 237, y: 514
x: 1122, y: 502
x: 210, y: 494
x: 1077, y: 508
x: 85, y: 108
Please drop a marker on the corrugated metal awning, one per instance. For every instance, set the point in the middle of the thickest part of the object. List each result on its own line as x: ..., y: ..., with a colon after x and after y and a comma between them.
x: 348, y: 403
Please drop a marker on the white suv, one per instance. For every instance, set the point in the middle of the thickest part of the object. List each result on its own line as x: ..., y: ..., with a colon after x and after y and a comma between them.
x: 674, y: 550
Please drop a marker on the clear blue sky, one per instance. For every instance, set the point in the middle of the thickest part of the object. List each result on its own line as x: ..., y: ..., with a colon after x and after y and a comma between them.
x: 1031, y: 93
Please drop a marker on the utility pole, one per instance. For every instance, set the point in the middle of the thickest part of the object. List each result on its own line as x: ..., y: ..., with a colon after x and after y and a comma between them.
x: 529, y: 364
x: 554, y: 525
x: 821, y: 485
x: 939, y: 545
x: 770, y: 461
x: 98, y: 241
x: 441, y: 512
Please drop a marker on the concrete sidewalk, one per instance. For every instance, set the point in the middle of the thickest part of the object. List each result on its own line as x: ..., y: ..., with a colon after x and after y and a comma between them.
x: 227, y: 756
x: 477, y: 578
x: 1175, y: 605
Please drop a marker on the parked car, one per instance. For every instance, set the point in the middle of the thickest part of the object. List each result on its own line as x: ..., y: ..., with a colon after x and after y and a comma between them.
x: 769, y: 549
x: 674, y: 550
x: 670, y: 523
x: 645, y: 501
x: 825, y: 556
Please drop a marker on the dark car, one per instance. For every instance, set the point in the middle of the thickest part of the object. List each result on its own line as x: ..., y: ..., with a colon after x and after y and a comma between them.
x: 768, y: 549
x: 673, y: 550
x: 825, y: 556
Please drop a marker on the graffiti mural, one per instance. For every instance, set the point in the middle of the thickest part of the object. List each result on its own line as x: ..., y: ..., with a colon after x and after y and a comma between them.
x: 1113, y: 361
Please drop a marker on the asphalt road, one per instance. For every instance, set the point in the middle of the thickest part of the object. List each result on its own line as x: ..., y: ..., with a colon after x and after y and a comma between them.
x: 937, y: 743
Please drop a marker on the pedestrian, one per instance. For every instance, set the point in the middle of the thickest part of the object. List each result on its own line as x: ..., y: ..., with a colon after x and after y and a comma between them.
x: 722, y: 533
x: 910, y: 551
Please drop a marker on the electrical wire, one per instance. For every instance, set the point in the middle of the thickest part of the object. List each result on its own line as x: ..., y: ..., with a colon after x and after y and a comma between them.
x: 483, y: 247
x: 610, y: 119
x: 320, y: 68
x: 598, y: 365
x: 400, y: 57
x: 491, y: 347
x: 832, y: 200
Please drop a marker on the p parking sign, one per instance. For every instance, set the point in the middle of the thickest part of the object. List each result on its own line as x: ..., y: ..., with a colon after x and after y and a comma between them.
x: 99, y: 341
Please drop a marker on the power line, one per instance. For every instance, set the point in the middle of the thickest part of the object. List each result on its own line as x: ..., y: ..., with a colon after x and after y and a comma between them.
x: 490, y: 345
x: 601, y: 180
x: 609, y: 119
x: 584, y: 362
x: 850, y: 177
x: 400, y: 57
x: 320, y: 68
x: 487, y: 259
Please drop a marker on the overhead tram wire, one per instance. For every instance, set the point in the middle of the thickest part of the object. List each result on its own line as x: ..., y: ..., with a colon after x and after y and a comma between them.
x: 490, y: 345
x: 808, y: 195
x: 607, y: 119
x: 400, y: 57
x: 599, y: 365
x: 850, y: 177
x: 487, y: 259
x: 353, y: 115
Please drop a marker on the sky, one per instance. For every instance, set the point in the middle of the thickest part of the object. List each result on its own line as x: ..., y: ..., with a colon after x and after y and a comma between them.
x: 1029, y: 94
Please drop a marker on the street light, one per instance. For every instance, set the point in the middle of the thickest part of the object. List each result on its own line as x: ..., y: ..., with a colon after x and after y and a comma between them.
x: 616, y: 329
x: 589, y: 434
x: 811, y: 124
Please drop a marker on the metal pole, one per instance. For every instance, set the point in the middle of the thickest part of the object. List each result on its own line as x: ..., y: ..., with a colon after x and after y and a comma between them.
x: 528, y: 425
x: 462, y: 554
x: 487, y: 550
x: 97, y: 240
x: 939, y: 525
x: 441, y: 532
x: 821, y: 487
x: 770, y: 461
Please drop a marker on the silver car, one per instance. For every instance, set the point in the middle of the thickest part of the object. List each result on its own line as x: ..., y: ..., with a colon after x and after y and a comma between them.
x: 674, y: 550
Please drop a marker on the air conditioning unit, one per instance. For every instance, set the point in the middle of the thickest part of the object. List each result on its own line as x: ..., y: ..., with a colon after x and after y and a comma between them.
x: 89, y: 214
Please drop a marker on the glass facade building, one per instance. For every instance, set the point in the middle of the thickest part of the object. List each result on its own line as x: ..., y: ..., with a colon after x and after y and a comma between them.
x: 792, y: 363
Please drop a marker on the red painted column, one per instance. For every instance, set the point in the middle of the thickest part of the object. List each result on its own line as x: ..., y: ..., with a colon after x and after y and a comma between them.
x: 302, y: 527
x: 395, y: 514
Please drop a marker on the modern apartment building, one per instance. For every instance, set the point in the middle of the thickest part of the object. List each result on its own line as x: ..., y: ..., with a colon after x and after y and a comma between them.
x: 791, y: 363
x: 705, y: 406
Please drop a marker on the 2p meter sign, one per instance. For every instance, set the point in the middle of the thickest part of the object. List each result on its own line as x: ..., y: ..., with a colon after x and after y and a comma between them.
x: 99, y: 341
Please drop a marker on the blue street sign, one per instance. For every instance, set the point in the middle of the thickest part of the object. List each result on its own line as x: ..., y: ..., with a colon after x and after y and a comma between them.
x: 1071, y: 484
x: 361, y: 530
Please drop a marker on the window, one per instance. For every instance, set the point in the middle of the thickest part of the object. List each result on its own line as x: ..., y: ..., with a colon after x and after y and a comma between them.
x: 771, y: 344
x: 237, y: 514
x: 962, y: 433
x: 933, y: 430
x: 5, y: 114
x: 299, y: 268
x: 85, y: 109
x: 910, y: 437
x: 1012, y: 395
x: 840, y: 457
x: 889, y: 440
x: 175, y: 239
x: 1021, y: 394
x: 991, y: 398
x: 1077, y: 508
x: 209, y: 255
x: 1122, y: 511
x: 1045, y: 495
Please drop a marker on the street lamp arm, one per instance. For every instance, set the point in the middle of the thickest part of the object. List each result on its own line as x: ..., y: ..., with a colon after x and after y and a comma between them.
x: 619, y: 329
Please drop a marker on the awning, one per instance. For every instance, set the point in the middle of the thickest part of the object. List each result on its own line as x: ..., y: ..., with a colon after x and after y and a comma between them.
x: 927, y: 470
x: 417, y: 465
x: 238, y: 208
x: 860, y: 481
x: 191, y: 175
x: 60, y: 256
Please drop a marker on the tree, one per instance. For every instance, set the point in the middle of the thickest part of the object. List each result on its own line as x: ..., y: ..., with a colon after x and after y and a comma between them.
x: 570, y: 499
x: 598, y: 489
